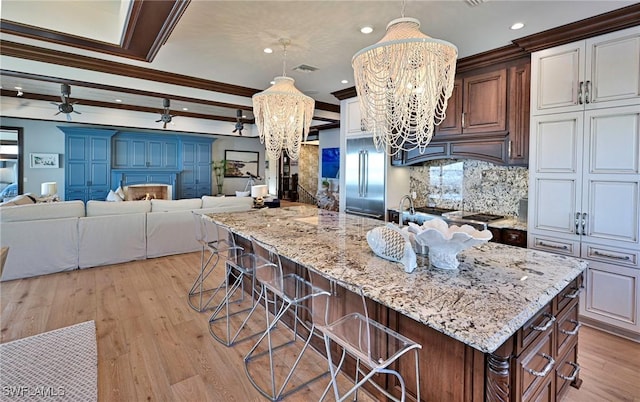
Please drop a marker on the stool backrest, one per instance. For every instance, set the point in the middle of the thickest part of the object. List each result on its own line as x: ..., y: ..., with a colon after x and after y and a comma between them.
x: 268, y: 267
x: 346, y: 300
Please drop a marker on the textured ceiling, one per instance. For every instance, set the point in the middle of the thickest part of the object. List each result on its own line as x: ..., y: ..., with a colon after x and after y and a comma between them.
x: 224, y: 40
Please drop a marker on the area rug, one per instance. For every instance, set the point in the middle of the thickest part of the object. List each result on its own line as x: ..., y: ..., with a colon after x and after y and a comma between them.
x: 58, y: 365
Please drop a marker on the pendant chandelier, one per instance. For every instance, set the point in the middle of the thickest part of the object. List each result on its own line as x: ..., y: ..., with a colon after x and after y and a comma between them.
x: 404, y: 83
x: 283, y: 115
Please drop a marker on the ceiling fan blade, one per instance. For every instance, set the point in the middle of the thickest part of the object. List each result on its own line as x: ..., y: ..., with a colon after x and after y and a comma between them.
x: 53, y: 103
x: 68, y: 116
x: 158, y: 121
x: 75, y: 111
x: 164, y: 125
x: 55, y: 114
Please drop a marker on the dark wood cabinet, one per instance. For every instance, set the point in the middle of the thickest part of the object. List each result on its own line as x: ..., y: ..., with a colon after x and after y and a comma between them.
x: 487, y: 118
x: 512, y: 237
x: 478, y: 104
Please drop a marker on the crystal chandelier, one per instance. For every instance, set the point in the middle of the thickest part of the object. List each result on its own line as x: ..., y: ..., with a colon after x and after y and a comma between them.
x: 404, y: 83
x: 283, y: 115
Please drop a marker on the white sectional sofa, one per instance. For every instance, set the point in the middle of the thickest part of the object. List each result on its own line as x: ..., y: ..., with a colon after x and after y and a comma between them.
x: 42, y: 238
x: 53, y: 237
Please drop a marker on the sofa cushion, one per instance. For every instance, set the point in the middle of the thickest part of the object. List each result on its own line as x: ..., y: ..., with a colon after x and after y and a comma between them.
x: 99, y: 208
x: 187, y: 204
x: 49, y: 210
x: 227, y: 204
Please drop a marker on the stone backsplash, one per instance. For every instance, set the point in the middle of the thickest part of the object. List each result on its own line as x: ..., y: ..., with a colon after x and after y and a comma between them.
x: 470, y: 185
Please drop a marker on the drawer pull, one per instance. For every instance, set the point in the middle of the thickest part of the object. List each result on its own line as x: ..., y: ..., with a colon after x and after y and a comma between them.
x: 543, y: 244
x: 574, y: 330
x: 546, y: 326
x: 574, y: 373
x: 546, y: 368
x: 574, y: 294
x: 616, y: 257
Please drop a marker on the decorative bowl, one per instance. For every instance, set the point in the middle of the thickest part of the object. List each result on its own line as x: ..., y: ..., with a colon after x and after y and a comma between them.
x: 445, y: 242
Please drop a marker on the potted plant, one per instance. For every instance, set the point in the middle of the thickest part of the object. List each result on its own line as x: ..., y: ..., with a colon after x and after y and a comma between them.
x: 218, y: 171
x: 326, y: 184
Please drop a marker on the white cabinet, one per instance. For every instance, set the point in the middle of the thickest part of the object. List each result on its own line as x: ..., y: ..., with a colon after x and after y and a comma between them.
x: 599, y: 72
x: 584, y: 168
x: 353, y: 119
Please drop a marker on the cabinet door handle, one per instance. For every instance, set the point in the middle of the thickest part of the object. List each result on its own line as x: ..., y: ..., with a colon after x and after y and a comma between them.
x: 587, y: 92
x: 574, y: 373
x: 578, y: 223
x: 509, y: 151
x: 617, y: 257
x: 543, y: 244
x: 462, y: 119
x: 573, y: 294
x: 575, y: 329
x: 546, y: 368
x: 580, y: 92
x: 584, y: 224
x: 547, y: 325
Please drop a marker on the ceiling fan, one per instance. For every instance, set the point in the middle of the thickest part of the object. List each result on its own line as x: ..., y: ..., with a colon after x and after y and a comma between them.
x: 65, y: 107
x: 239, y: 123
x: 165, y: 116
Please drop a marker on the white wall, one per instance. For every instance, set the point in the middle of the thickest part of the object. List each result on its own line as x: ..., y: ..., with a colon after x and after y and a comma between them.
x: 230, y: 184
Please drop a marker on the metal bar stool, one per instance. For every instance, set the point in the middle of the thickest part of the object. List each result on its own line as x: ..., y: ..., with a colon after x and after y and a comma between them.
x: 202, y: 293
x: 238, y: 266
x: 374, y: 346
x: 293, y: 292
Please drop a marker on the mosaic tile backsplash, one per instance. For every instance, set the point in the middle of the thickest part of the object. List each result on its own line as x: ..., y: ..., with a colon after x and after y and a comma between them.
x: 470, y: 185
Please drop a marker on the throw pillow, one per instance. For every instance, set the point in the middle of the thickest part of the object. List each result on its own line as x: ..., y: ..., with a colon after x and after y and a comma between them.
x: 120, y: 193
x: 113, y: 197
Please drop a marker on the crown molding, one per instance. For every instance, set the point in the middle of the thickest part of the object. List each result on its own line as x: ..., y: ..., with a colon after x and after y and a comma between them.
x: 149, y: 25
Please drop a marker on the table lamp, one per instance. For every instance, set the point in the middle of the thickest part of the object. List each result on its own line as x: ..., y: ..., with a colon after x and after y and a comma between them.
x: 258, y: 193
x: 48, y: 189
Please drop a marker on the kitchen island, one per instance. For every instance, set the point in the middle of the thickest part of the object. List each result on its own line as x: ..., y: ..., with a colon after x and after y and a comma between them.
x: 489, y: 330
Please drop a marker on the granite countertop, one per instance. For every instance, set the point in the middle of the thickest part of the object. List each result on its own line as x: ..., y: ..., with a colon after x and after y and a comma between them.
x: 508, y: 223
x: 496, y: 289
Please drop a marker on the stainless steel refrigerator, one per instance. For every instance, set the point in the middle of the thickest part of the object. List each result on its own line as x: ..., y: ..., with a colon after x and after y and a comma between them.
x: 364, y: 178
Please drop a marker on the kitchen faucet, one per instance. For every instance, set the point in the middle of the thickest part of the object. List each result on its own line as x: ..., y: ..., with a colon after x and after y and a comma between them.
x: 412, y: 210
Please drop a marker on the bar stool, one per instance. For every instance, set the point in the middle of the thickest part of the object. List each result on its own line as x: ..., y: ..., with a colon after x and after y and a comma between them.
x: 293, y: 293
x: 370, y: 343
x: 215, y: 243
x: 238, y: 266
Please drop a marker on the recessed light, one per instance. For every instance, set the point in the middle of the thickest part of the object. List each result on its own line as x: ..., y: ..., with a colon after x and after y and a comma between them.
x: 344, y: 81
x: 366, y: 30
x: 185, y: 108
x: 118, y: 100
x: 517, y: 25
x: 268, y: 50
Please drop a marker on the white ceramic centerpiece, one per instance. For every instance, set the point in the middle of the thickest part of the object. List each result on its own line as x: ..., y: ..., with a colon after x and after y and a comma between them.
x: 445, y: 242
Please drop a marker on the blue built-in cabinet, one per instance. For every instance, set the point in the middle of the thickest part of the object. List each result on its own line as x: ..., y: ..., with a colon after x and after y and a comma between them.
x: 141, y: 151
x: 87, y: 163
x: 195, y: 177
x: 99, y: 160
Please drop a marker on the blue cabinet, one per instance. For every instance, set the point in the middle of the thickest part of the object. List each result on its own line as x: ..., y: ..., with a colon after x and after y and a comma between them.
x: 141, y: 151
x: 87, y: 163
x: 195, y: 176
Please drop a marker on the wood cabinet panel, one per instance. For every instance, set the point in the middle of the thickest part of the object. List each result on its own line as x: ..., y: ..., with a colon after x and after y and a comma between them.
x: 452, y: 124
x: 485, y: 102
x: 534, y: 368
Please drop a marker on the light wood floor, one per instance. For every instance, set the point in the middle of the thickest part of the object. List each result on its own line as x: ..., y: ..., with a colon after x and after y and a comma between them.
x: 152, y: 346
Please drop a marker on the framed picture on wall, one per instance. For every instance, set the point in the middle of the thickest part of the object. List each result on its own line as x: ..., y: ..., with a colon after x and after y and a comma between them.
x: 38, y: 160
x: 241, y: 163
